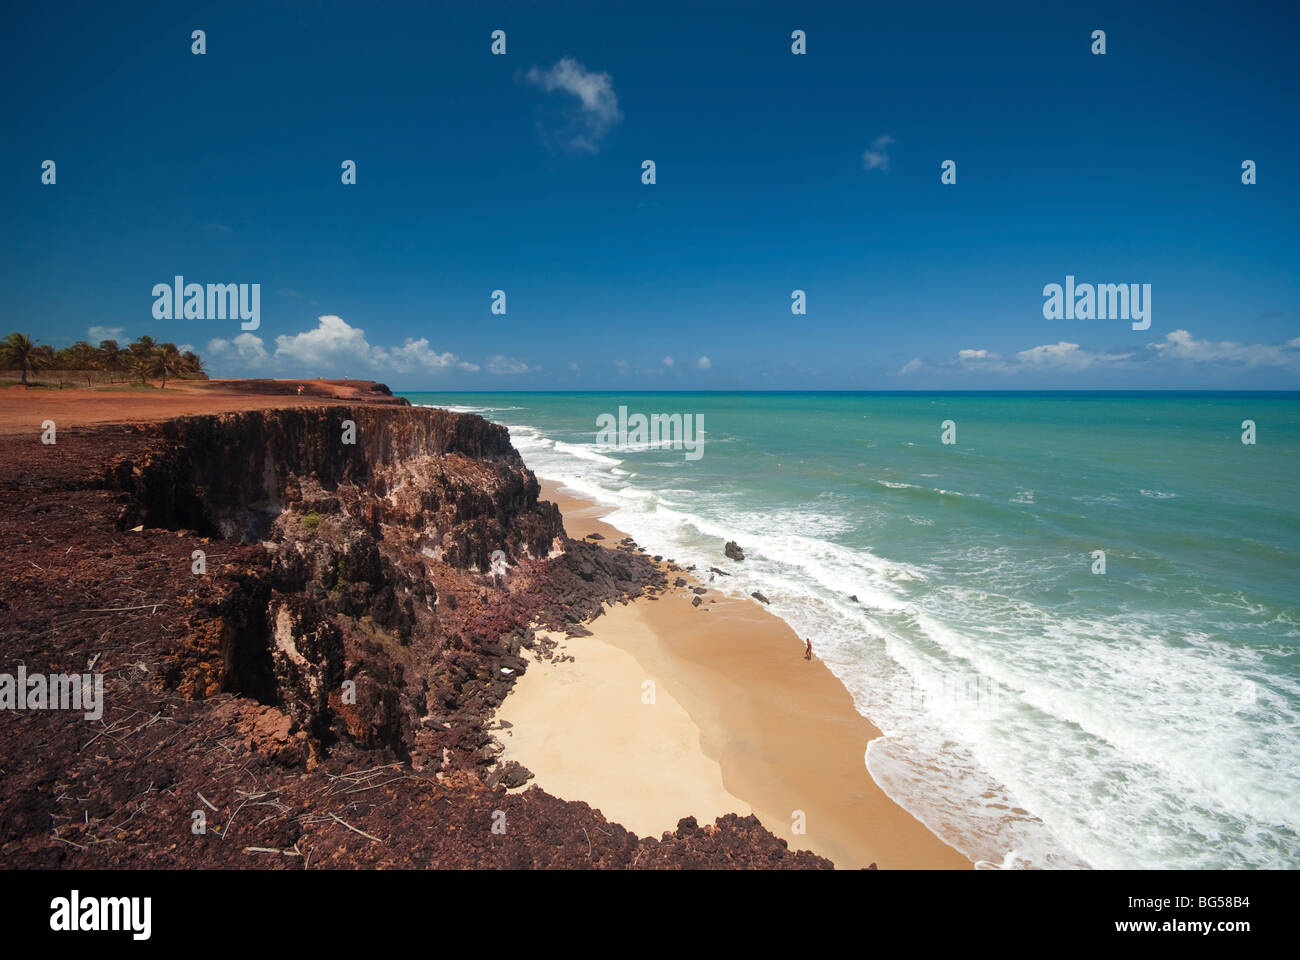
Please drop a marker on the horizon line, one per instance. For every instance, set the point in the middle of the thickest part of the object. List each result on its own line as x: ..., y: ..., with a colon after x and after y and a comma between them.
x: 1024, y: 390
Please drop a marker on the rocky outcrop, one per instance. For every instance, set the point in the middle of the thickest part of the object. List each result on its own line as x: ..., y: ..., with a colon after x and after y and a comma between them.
x: 372, y: 618
x: 733, y: 551
x: 453, y: 478
x: 360, y: 614
x: 374, y: 520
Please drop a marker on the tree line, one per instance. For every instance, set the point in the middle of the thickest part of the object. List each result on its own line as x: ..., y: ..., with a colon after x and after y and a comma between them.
x: 144, y: 358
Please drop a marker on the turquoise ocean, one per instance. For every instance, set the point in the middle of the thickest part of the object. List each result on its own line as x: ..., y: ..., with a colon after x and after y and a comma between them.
x: 1035, y: 711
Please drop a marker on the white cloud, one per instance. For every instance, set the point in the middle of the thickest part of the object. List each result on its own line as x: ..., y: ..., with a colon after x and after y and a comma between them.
x: 704, y: 363
x: 1068, y: 356
x: 877, y: 157
x: 597, y: 101
x: 1061, y: 356
x: 1178, y: 347
x: 334, y: 340
x: 98, y: 333
x: 1181, y: 345
x: 246, y: 350
x: 507, y: 366
x: 668, y: 361
x: 334, y: 346
x: 574, y: 368
x: 416, y: 355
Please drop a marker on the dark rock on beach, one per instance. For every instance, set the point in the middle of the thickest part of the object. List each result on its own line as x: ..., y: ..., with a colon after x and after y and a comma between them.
x: 758, y: 595
x: 733, y: 551
x: 510, y: 774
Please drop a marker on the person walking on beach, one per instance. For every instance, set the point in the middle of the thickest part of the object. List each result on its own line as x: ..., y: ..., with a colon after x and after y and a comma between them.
x: 807, y: 650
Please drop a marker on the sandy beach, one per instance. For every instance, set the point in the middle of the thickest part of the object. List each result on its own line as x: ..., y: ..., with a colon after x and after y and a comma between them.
x: 667, y: 710
x: 741, y: 722
x: 91, y: 530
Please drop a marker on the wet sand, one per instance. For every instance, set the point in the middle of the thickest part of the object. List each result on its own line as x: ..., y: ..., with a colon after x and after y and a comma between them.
x: 781, y: 732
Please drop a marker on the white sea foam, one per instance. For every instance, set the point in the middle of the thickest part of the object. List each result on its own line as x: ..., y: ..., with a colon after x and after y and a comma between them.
x: 586, y: 452
x: 458, y: 408
x: 1021, y: 736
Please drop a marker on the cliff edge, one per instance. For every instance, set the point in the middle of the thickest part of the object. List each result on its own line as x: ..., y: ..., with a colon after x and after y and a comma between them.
x: 304, y: 618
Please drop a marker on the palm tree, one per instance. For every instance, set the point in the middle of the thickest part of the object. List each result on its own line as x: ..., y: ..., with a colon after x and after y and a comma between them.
x: 144, y: 358
x: 110, y: 357
x: 43, y: 357
x: 143, y: 365
x: 143, y: 346
x: 193, y: 364
x: 19, y: 351
x: 82, y: 356
x: 169, y: 362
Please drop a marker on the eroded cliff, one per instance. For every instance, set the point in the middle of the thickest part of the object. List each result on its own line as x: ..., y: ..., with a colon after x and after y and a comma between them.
x: 316, y: 608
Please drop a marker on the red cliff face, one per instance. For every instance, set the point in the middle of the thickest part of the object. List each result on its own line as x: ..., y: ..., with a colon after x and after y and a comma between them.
x: 439, y: 474
x: 366, y: 515
x: 345, y: 623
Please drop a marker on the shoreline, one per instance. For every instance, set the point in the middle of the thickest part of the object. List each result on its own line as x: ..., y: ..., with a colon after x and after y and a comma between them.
x: 743, y: 724
x: 206, y: 654
x: 780, y: 735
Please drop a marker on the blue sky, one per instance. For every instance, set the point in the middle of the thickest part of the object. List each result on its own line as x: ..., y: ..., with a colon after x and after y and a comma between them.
x: 775, y: 172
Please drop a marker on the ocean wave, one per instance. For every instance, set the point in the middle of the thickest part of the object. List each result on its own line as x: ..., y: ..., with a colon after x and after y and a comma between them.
x: 1108, y: 718
x: 586, y: 452
x: 792, y: 557
x: 1020, y: 734
x: 458, y: 408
